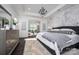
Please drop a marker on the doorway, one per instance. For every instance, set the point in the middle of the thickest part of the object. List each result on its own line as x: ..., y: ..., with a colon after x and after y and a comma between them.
x: 33, y: 28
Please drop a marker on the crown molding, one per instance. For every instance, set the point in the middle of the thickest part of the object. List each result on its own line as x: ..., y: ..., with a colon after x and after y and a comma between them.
x: 54, y: 10
x: 9, y: 10
x: 33, y: 14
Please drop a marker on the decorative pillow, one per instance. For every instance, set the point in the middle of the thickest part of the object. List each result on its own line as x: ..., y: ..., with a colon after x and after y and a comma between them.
x: 63, y: 31
x: 68, y: 31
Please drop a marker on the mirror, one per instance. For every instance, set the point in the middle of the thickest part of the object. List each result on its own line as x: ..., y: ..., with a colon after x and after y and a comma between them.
x: 5, y: 18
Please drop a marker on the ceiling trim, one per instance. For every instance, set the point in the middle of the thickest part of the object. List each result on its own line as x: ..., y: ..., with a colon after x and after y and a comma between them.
x: 33, y: 14
x: 58, y: 7
x: 9, y: 10
x: 5, y: 10
x: 48, y: 14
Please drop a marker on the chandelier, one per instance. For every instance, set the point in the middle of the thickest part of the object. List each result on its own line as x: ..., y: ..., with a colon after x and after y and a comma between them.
x: 42, y: 11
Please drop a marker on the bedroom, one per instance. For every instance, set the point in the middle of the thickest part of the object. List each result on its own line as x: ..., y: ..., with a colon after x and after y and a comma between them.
x: 44, y: 29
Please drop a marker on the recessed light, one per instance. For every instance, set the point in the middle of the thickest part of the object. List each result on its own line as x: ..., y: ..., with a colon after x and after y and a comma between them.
x: 29, y: 8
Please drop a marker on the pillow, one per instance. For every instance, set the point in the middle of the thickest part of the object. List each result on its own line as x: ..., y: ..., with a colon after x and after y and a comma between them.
x: 63, y: 31
x: 69, y: 31
x: 55, y: 30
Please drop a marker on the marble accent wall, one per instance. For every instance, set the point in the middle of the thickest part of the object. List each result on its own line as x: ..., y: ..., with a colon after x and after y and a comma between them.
x: 66, y: 16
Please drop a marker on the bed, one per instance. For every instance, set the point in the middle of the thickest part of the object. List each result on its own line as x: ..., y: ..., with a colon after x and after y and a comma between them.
x: 58, y: 39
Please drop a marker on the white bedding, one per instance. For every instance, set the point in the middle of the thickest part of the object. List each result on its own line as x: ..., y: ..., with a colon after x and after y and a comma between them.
x: 46, y: 42
x: 74, y: 39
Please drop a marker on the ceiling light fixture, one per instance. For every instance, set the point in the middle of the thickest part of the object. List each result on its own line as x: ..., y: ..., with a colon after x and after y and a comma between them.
x: 42, y: 11
x: 29, y: 8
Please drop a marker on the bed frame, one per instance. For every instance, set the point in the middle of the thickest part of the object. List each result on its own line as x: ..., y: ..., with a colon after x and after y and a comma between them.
x: 51, y: 45
x: 54, y: 45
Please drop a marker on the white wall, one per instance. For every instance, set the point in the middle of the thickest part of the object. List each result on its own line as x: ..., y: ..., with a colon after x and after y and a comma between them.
x: 43, y: 25
x: 66, y: 16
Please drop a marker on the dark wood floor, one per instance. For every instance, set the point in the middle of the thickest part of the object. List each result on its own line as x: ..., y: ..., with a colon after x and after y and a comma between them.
x: 20, y: 48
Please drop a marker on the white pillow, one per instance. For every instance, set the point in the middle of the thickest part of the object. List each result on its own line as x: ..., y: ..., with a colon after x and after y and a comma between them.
x: 69, y: 30
x: 66, y: 30
x: 55, y: 30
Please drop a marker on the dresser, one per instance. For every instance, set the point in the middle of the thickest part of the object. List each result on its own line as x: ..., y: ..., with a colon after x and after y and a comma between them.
x: 9, y: 39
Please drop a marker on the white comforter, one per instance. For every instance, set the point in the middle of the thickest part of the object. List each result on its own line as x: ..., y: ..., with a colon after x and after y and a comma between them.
x: 63, y: 40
